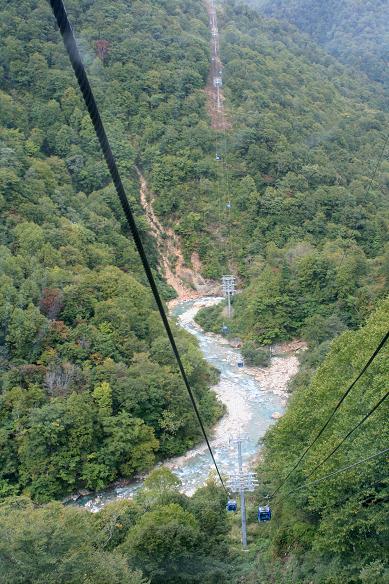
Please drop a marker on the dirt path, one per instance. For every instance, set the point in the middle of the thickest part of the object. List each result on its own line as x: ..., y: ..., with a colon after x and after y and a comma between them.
x: 214, y: 88
x: 186, y: 281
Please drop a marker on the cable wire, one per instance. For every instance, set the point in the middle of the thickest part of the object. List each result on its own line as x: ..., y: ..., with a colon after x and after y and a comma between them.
x: 377, y: 405
x: 373, y: 409
x: 379, y: 160
x: 345, y: 394
x: 86, y: 90
x: 382, y: 343
x: 366, y: 498
x: 336, y: 472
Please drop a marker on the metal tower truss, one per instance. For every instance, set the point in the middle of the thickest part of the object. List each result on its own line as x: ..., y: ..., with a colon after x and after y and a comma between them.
x: 244, y: 481
x: 241, y: 482
x: 228, y: 287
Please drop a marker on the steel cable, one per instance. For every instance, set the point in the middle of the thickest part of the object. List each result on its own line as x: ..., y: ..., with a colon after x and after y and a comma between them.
x: 86, y: 90
x: 341, y: 400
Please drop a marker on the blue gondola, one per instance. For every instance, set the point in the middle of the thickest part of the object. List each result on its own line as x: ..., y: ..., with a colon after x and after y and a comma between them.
x: 264, y: 514
x: 218, y: 157
x: 240, y: 363
x: 231, y: 505
x: 225, y: 329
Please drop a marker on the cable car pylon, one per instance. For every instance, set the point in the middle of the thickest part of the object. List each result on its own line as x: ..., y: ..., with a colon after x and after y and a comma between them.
x: 228, y: 287
x: 240, y: 483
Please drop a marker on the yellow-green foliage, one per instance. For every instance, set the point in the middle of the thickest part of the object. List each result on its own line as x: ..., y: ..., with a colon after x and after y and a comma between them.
x: 344, y: 518
x: 89, y: 388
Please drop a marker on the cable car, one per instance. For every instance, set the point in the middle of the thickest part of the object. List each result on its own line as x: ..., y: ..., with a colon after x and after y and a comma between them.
x: 229, y: 205
x: 264, y: 514
x: 225, y: 329
x: 240, y: 363
x: 218, y: 157
x: 231, y: 505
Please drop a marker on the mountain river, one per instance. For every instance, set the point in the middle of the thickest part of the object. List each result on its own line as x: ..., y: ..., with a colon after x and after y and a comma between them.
x: 252, y: 397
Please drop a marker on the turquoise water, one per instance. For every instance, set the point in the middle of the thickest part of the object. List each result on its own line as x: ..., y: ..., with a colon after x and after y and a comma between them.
x: 249, y: 414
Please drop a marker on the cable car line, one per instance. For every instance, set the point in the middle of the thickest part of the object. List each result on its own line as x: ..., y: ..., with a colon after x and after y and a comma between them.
x: 86, y: 90
x: 343, y: 439
x: 60, y: 14
x: 338, y: 471
x: 379, y: 160
x: 373, y: 409
x: 220, y: 152
x: 377, y: 405
x: 362, y: 501
x: 345, y: 394
x: 219, y: 199
x: 331, y: 474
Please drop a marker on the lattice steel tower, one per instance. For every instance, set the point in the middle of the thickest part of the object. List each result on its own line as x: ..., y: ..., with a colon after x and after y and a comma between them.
x: 228, y: 287
x: 241, y: 482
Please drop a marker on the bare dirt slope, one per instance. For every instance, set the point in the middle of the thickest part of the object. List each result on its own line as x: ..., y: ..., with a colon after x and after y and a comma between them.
x: 186, y: 281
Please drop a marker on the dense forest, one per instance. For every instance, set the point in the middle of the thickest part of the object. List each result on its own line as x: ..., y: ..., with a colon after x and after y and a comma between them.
x: 89, y: 390
x: 163, y: 534
x: 308, y: 230
x: 335, y: 531
x: 355, y: 32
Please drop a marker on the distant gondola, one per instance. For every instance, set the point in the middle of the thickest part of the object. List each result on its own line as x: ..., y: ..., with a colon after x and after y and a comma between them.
x: 225, y: 329
x: 264, y: 514
x: 231, y: 505
x: 240, y: 363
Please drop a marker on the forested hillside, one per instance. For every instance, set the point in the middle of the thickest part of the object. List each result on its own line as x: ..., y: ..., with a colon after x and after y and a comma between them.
x: 355, y: 32
x: 297, y: 209
x: 337, y: 530
x: 170, y: 537
x: 308, y: 229
x: 89, y: 388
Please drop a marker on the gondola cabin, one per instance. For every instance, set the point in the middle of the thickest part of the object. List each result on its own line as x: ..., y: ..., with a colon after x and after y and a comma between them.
x: 225, y: 329
x: 218, y: 157
x: 229, y: 205
x: 264, y: 514
x: 240, y: 363
x: 231, y: 505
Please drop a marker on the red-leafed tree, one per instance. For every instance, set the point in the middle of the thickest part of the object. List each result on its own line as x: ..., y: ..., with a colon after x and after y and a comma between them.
x: 51, y: 302
x: 102, y: 47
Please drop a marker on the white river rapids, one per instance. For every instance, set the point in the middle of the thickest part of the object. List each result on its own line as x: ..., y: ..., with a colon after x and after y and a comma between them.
x: 251, y: 396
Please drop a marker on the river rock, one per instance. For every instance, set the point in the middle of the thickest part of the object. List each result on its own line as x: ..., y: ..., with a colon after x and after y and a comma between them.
x: 276, y: 415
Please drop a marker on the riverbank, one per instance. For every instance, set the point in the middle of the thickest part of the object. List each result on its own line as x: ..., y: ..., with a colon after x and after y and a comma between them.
x: 283, y: 366
x: 273, y: 379
x: 252, y: 396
